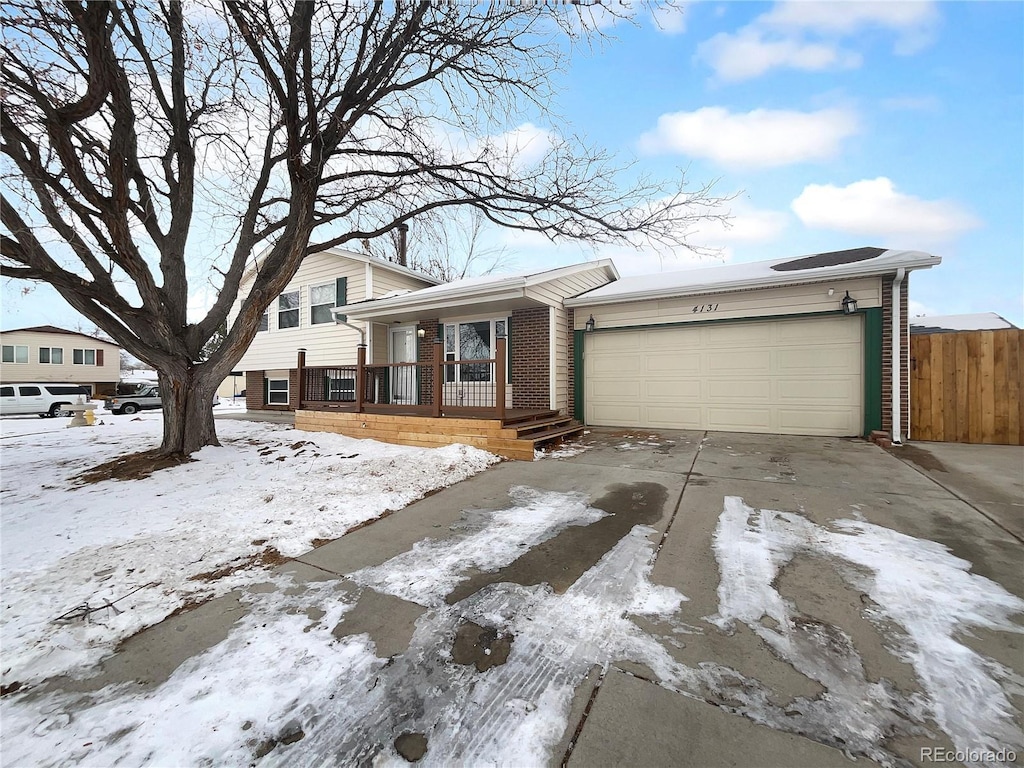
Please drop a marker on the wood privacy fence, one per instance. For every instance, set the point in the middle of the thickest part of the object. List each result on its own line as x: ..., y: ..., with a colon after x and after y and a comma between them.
x: 966, y: 387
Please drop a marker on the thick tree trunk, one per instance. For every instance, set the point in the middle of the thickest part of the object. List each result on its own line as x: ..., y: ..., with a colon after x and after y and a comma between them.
x: 187, y: 399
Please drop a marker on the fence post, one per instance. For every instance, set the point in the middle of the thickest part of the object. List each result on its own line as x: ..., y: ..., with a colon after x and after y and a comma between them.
x: 438, y: 377
x: 301, y: 366
x: 500, y: 375
x: 360, y: 376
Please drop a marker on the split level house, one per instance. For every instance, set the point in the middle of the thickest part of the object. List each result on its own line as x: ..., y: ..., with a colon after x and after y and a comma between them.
x: 814, y: 345
x: 45, y: 353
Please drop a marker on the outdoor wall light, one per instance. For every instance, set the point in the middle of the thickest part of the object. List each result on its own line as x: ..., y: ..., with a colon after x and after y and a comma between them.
x: 590, y: 324
x: 849, y: 304
x: 421, y: 332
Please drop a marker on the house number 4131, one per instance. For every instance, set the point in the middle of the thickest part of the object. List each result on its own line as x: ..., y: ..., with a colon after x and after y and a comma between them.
x: 705, y: 308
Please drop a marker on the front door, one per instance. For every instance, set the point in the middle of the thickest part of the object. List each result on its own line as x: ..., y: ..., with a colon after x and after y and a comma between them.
x: 403, y: 379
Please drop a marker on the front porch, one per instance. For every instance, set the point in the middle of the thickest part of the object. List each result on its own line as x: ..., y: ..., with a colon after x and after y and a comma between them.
x: 427, y: 404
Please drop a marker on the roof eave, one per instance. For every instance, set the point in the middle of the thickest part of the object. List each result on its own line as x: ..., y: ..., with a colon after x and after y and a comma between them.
x: 784, y: 278
x: 435, y: 304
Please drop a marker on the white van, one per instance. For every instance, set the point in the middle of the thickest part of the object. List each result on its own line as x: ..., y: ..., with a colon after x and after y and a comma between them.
x: 44, y: 399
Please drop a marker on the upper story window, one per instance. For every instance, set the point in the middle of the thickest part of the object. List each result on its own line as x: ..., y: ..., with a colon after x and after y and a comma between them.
x: 321, y: 302
x: 51, y: 355
x: 288, y: 310
x: 87, y: 357
x: 264, y: 321
x: 15, y: 353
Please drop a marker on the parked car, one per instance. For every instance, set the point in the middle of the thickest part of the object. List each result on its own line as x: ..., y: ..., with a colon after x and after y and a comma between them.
x: 46, y: 399
x: 146, y: 397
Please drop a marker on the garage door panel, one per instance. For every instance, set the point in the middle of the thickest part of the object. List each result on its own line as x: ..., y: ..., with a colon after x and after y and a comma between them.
x: 666, y: 362
x: 737, y: 334
x: 743, y: 361
x: 800, y: 376
x: 672, y: 417
x: 739, y: 390
x: 735, y: 419
x: 687, y: 390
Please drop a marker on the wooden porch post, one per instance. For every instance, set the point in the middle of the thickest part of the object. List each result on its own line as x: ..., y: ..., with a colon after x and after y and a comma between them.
x: 499, y: 374
x: 438, y: 377
x: 301, y: 366
x: 360, y: 376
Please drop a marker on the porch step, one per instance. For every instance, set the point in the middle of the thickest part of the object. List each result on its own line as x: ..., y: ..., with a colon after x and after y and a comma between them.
x: 555, y: 434
x: 525, y: 431
x: 527, y: 418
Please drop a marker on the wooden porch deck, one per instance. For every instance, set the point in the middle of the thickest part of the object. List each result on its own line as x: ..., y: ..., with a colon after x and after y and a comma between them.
x: 516, y: 436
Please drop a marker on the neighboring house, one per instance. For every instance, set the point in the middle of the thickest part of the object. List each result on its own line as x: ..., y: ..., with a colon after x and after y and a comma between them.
x: 301, y: 318
x: 801, y: 346
x: 46, y: 353
x: 980, y: 321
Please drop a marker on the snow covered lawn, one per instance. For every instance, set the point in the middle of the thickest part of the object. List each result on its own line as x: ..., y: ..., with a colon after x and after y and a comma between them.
x: 181, y: 535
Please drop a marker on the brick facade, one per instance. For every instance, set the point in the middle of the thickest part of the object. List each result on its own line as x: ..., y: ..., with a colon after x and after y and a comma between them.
x: 531, y: 358
x: 256, y: 391
x: 425, y: 354
x: 887, y: 355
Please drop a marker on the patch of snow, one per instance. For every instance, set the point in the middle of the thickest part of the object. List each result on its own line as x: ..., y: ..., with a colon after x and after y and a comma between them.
x: 564, y: 451
x: 917, y: 584
x: 144, y: 544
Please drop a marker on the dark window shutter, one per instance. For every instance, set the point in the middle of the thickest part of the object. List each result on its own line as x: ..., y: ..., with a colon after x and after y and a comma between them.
x: 341, y: 294
x: 266, y: 390
x: 99, y: 357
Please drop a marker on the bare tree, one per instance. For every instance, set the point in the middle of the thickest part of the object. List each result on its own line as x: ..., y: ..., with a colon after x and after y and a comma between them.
x: 446, y: 243
x: 147, y: 142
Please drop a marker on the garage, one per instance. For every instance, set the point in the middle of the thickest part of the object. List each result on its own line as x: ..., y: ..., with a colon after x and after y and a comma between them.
x: 799, y: 376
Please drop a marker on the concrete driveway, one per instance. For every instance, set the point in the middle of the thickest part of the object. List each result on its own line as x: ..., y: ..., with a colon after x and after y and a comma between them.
x: 660, y: 598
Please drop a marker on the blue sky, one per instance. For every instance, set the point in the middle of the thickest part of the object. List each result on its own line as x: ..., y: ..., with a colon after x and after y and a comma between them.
x: 836, y: 125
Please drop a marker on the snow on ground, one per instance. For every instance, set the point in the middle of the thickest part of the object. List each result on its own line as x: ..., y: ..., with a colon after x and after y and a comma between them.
x: 915, y: 583
x: 143, y: 545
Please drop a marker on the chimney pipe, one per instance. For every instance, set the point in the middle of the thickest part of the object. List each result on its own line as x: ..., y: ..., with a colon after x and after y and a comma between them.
x: 403, y: 232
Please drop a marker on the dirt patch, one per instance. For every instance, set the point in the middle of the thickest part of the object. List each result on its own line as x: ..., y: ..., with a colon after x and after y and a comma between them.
x: 290, y: 735
x: 6, y: 690
x: 919, y: 456
x: 483, y: 647
x: 268, y: 558
x: 134, y: 466
x: 411, y: 746
x: 560, y: 561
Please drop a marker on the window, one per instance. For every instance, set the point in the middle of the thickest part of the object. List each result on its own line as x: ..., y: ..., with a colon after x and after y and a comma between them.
x: 29, y: 391
x: 341, y: 389
x: 15, y: 353
x: 62, y: 389
x: 51, y: 355
x: 277, y: 391
x: 473, y: 341
x: 6, y: 391
x: 86, y: 357
x: 264, y: 320
x: 321, y: 302
x: 288, y: 310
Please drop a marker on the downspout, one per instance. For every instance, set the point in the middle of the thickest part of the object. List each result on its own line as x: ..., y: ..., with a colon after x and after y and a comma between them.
x: 897, y: 358
x: 361, y: 331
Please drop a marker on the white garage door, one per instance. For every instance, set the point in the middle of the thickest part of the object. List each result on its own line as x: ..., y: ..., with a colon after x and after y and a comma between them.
x: 800, y: 377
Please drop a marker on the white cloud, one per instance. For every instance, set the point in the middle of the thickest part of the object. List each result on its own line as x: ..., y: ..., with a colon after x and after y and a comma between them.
x: 809, y: 36
x: 670, y: 19
x: 762, y: 138
x: 875, y: 207
x: 748, y: 54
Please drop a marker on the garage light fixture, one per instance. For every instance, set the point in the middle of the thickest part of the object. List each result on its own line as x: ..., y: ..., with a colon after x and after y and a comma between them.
x: 590, y: 324
x: 849, y: 304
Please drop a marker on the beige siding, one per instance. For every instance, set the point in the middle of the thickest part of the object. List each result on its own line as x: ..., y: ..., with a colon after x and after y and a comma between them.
x: 561, y: 344
x: 325, y: 343
x: 763, y: 302
x: 33, y: 370
x: 379, y: 343
x: 554, y: 292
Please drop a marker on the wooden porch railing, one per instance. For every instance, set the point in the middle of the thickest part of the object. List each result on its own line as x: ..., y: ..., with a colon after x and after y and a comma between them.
x: 409, y: 387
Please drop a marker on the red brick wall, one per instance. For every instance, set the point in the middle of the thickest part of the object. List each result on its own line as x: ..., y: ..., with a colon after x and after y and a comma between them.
x: 571, y: 351
x: 531, y: 358
x: 256, y: 391
x: 887, y: 355
x: 425, y: 354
